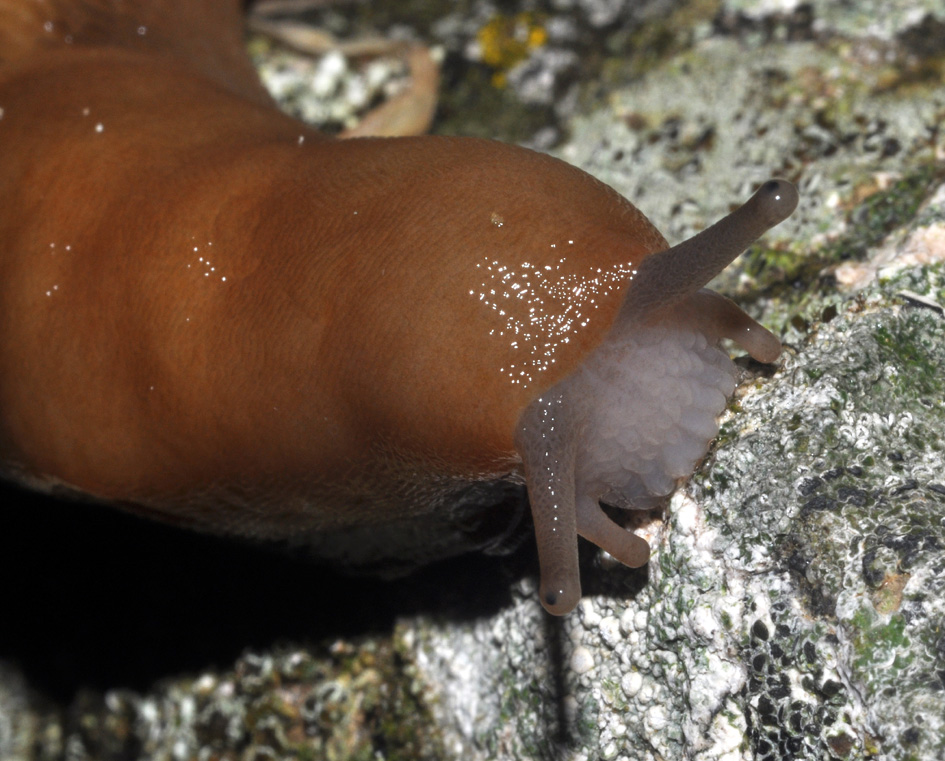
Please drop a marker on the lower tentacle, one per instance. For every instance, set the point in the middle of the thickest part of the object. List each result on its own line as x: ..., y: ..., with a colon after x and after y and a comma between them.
x: 595, y: 526
x: 724, y: 319
x: 547, y: 448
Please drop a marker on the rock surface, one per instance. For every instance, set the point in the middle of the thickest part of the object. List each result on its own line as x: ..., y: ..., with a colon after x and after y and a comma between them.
x: 794, y: 606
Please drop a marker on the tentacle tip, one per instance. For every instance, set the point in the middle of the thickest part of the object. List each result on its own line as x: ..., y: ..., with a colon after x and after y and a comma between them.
x: 769, y: 351
x: 559, y: 597
x: 777, y: 200
x: 640, y: 556
x: 763, y: 345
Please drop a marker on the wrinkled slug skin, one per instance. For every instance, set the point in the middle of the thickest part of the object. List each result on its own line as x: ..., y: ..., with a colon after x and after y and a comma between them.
x: 215, y: 315
x: 212, y: 311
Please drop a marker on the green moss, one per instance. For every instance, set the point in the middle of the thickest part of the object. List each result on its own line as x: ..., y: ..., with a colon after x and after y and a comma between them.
x: 875, y: 644
x: 905, y: 345
x: 613, y: 694
x: 720, y: 479
x: 894, y: 207
x: 882, y: 212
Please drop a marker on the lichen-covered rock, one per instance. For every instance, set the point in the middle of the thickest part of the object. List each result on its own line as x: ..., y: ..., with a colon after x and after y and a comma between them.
x: 877, y: 19
x: 335, y: 703
x: 794, y: 606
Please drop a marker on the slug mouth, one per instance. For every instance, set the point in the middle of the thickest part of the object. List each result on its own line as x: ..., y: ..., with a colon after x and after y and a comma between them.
x: 657, y: 396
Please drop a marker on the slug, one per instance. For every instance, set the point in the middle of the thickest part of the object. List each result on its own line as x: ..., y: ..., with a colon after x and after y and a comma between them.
x: 213, y: 314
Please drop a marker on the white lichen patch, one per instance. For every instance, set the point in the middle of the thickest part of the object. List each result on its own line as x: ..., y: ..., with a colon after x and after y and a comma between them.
x: 882, y: 19
x: 329, y: 91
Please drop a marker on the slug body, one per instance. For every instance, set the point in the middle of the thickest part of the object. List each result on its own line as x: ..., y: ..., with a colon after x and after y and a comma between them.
x: 214, y: 314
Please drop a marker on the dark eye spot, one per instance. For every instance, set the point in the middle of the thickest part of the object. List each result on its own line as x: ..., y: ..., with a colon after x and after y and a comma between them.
x: 551, y: 598
x: 774, y: 202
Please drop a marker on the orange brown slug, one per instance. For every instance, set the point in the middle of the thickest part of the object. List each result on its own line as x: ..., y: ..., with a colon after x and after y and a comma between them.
x: 214, y: 314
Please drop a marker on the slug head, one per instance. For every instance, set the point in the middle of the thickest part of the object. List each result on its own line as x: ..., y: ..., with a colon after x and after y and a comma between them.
x: 639, y: 412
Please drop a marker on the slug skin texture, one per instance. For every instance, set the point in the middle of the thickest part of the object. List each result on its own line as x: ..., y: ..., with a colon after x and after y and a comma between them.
x: 213, y: 314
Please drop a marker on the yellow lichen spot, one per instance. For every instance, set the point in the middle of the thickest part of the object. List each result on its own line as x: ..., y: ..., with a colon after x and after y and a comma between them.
x: 508, y: 40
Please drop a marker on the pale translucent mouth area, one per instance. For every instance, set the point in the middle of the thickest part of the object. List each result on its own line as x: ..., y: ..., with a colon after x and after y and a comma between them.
x: 648, y: 402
